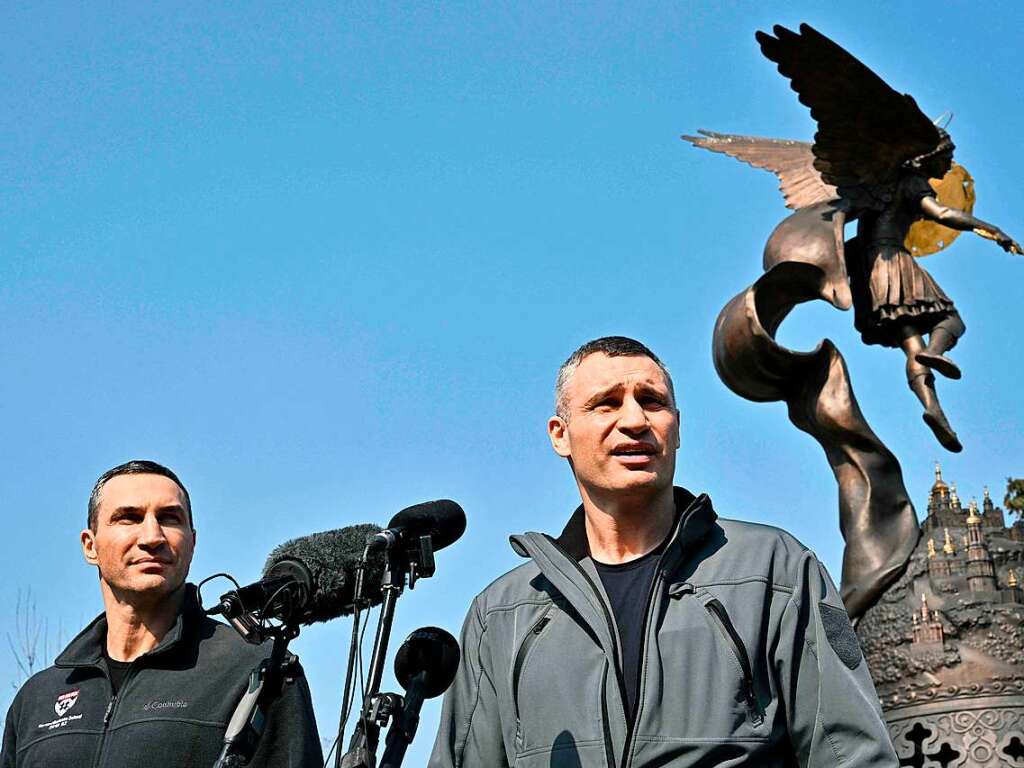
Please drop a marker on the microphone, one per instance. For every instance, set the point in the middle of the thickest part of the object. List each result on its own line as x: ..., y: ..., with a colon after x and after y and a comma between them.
x: 425, y: 667
x: 443, y: 521
x: 429, y: 658
x: 309, y: 579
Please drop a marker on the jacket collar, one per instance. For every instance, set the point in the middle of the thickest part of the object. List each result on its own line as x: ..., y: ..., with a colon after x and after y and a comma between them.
x: 560, y: 561
x: 86, y: 650
x: 694, y: 518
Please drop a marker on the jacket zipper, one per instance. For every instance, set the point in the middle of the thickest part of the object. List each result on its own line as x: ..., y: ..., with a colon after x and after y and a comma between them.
x: 109, y: 715
x: 106, y: 722
x: 610, y: 621
x: 615, y: 652
x: 609, y: 755
x: 631, y: 725
x: 524, y: 650
x: 721, y: 619
x: 110, y: 710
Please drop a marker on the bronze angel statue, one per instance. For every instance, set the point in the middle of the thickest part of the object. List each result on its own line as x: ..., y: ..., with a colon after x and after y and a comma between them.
x: 871, y: 161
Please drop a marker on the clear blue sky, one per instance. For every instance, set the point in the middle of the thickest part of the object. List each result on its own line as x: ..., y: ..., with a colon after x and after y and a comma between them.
x: 325, y: 262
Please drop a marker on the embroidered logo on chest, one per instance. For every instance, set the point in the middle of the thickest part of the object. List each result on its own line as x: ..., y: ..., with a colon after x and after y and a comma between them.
x: 65, y: 702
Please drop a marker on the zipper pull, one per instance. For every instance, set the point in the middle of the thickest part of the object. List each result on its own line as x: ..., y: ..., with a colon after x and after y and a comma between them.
x: 680, y: 588
x: 540, y: 625
x: 755, y: 708
x: 110, y: 711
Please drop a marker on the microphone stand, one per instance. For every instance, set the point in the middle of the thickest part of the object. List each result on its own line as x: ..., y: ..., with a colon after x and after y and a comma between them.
x: 425, y: 667
x: 377, y: 709
x: 403, y: 727
x: 266, y: 681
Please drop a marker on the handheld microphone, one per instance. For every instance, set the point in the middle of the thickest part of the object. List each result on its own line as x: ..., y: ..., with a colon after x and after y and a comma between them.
x: 442, y: 520
x: 309, y: 579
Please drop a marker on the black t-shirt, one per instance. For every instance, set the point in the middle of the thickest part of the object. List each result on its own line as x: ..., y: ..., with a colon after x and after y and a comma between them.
x: 117, y: 670
x: 628, y: 586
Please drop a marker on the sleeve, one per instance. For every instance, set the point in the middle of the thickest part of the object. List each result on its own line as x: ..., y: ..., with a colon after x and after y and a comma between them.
x: 914, y: 187
x: 470, y: 734
x: 832, y: 711
x: 10, y: 747
x: 290, y: 739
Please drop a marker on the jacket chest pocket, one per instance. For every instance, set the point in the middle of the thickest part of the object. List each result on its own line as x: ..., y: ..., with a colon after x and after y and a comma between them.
x: 720, y: 619
x: 556, y: 684
x: 522, y: 657
x: 708, y: 683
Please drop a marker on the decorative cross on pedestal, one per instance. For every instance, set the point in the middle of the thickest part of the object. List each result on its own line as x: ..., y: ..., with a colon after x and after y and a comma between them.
x: 946, y: 755
x: 917, y: 735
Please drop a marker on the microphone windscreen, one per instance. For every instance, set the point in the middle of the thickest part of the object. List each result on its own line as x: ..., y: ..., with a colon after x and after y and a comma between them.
x: 331, y: 558
x: 443, y: 520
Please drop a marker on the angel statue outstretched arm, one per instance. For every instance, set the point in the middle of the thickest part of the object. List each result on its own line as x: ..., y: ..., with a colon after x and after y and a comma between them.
x: 954, y: 218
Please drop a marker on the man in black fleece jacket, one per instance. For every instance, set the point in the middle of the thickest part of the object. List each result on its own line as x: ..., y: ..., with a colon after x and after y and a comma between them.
x: 152, y: 681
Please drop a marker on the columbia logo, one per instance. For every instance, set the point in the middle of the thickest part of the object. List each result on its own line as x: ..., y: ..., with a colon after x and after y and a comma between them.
x: 151, y: 705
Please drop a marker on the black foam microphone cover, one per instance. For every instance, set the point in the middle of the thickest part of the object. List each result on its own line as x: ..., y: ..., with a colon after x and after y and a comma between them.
x: 331, y: 558
x: 443, y: 520
x: 429, y: 650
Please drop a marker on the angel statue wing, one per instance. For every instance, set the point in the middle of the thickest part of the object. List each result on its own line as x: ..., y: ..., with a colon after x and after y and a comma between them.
x: 791, y: 161
x: 866, y: 130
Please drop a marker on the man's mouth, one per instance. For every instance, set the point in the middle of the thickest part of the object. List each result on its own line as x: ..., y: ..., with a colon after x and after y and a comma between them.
x: 635, y: 453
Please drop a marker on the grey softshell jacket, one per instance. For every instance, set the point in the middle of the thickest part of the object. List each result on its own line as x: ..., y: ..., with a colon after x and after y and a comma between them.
x: 171, y: 711
x: 749, y: 659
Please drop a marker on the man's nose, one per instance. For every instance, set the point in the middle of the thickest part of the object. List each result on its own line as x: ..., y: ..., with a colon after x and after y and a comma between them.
x: 632, y: 417
x: 152, y: 533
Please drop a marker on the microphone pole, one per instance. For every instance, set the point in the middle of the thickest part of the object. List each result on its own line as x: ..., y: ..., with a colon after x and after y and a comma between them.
x: 363, y: 747
x: 265, y: 686
x: 425, y: 666
x: 403, y: 730
x: 409, y: 541
x: 415, y: 562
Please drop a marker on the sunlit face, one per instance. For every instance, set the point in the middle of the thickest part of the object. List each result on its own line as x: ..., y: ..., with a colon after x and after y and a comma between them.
x: 143, y: 541
x: 622, y: 430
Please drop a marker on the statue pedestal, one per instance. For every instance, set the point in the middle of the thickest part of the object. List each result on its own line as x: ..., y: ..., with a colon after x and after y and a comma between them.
x: 945, y: 645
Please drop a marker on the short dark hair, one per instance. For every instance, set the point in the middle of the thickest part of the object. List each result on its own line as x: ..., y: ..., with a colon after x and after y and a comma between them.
x: 613, y: 346
x: 134, y: 467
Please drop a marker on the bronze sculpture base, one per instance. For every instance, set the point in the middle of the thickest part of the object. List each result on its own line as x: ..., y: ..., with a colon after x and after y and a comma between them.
x: 945, y: 643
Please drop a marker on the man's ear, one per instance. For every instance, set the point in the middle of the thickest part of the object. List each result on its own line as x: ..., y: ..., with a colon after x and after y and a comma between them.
x: 558, y: 433
x: 88, y: 539
x: 677, y: 429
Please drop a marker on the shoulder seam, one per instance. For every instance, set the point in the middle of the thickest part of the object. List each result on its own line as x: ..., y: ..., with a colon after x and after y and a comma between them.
x: 517, y: 604
x: 460, y: 755
x: 745, y: 580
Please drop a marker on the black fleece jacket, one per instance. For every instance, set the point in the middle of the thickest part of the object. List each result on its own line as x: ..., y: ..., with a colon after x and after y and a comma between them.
x: 170, y: 712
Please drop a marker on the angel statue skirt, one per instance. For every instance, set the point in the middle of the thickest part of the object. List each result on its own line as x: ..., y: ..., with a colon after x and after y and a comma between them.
x: 892, y: 291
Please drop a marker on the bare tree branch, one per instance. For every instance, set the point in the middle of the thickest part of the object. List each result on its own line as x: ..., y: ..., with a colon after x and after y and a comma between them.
x: 31, y: 644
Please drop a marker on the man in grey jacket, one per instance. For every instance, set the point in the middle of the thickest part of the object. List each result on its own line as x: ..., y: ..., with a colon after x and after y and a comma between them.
x: 652, y: 632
